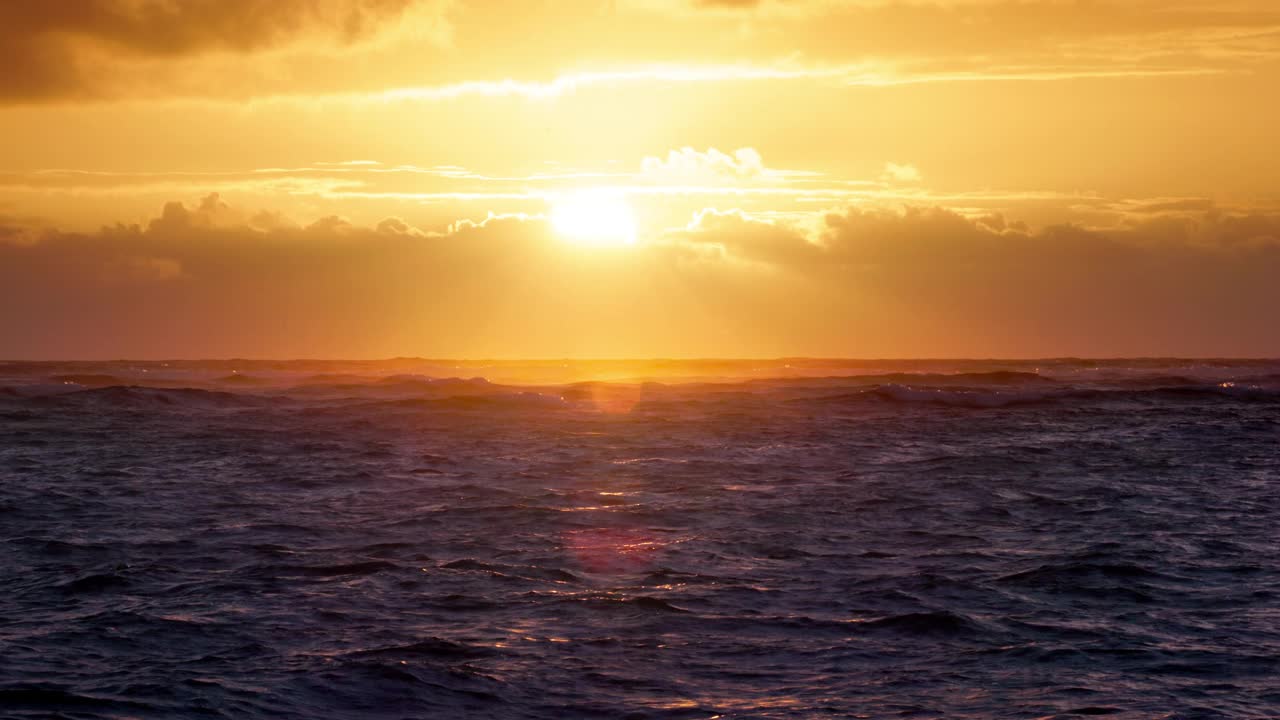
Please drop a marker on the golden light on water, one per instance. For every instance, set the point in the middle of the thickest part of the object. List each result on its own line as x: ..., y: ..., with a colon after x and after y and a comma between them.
x: 612, y: 550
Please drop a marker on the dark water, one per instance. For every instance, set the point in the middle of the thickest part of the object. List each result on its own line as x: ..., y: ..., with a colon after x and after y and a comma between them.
x: 974, y: 540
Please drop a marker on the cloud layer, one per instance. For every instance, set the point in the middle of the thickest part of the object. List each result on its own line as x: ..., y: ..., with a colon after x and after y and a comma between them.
x: 209, y: 280
x: 114, y: 49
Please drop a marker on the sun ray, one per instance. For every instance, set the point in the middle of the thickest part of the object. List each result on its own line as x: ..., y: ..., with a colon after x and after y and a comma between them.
x: 594, y: 218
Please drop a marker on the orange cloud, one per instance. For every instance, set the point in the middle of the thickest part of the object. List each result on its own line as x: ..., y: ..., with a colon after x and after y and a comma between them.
x: 201, y: 48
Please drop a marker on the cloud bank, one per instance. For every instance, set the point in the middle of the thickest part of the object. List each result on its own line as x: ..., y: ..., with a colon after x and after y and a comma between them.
x: 209, y: 280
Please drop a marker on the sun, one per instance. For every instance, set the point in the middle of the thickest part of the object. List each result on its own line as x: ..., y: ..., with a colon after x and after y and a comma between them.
x: 597, y: 218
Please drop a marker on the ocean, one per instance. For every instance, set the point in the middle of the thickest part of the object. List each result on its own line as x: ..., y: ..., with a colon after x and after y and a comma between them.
x: 660, y: 539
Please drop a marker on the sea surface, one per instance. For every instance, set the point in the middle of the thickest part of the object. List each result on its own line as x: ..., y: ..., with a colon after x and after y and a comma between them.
x: 665, y: 539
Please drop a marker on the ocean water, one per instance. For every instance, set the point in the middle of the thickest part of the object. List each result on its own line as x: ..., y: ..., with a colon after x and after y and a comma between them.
x: 786, y: 539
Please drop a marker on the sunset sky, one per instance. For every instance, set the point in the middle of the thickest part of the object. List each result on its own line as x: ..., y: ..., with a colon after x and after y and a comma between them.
x: 639, y: 178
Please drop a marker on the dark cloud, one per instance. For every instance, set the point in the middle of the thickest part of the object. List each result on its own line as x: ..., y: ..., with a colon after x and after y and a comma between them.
x: 753, y: 240
x: 203, y: 281
x: 197, y: 280
x: 41, y: 43
x: 1169, y: 286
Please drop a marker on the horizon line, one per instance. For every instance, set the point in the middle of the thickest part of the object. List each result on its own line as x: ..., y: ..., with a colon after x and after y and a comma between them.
x: 548, y: 359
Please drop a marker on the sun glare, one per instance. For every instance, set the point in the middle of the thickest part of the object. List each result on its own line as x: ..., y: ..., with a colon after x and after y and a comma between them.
x: 594, y: 217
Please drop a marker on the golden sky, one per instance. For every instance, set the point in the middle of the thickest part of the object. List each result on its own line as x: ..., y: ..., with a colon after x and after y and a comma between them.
x: 607, y: 178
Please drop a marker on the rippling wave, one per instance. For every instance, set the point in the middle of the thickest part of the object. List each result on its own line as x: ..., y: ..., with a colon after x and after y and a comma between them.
x: 739, y: 539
